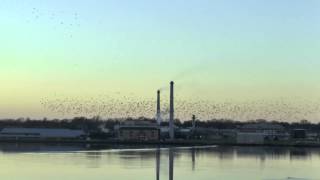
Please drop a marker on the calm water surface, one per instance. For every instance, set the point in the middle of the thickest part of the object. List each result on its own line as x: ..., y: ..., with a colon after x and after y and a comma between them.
x: 189, y: 163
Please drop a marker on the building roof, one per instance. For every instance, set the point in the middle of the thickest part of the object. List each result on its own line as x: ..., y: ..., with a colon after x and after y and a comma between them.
x: 139, y: 127
x: 138, y: 123
x: 263, y: 126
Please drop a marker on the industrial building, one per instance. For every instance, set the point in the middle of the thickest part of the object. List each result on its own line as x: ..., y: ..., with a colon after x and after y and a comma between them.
x: 40, y: 133
x: 268, y: 128
x: 259, y: 133
x: 138, y: 131
x: 298, y: 134
x: 250, y: 138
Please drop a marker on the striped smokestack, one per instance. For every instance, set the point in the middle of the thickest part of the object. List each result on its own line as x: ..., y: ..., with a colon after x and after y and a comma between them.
x: 171, y: 118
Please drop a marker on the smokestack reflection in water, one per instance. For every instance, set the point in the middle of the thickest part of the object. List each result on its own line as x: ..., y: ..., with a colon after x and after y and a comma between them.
x: 171, y: 163
x: 193, y: 156
x: 158, y: 154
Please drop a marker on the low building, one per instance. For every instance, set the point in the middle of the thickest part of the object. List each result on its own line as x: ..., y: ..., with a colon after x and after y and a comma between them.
x: 259, y: 133
x: 164, y: 132
x: 250, y: 138
x: 40, y: 133
x: 138, y: 131
x: 299, y: 134
x: 213, y: 133
x: 183, y: 133
x: 267, y: 128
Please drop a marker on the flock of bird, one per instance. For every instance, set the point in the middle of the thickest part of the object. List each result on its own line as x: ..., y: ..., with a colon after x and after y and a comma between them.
x: 65, y: 25
x: 117, y: 105
x: 60, y: 20
x: 122, y: 106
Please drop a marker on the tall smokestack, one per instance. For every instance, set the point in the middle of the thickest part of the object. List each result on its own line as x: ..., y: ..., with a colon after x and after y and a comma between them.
x: 193, y: 122
x: 171, y: 118
x: 158, y: 115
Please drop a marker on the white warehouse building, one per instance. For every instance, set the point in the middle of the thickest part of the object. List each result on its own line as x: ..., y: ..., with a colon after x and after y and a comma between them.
x: 40, y: 133
x: 259, y: 133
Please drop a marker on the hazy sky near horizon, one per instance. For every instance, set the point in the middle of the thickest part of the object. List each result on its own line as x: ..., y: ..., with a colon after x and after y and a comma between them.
x: 216, y: 51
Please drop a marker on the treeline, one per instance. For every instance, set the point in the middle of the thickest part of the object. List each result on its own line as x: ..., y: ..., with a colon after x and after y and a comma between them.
x: 96, y: 123
x: 87, y: 124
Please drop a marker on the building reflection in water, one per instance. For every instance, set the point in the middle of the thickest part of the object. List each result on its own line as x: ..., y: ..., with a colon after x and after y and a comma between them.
x: 299, y: 153
x: 223, y: 153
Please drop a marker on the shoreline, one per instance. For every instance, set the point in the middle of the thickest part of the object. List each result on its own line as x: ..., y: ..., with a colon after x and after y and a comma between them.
x: 158, y: 143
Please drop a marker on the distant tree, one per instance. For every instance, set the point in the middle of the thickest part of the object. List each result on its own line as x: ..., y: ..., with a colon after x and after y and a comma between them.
x: 304, y: 121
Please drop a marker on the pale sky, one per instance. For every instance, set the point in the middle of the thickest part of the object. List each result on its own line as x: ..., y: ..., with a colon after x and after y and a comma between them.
x: 261, y: 56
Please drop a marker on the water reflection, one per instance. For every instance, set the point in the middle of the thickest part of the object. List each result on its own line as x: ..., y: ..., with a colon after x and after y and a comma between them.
x: 158, y: 154
x: 150, y: 152
x: 171, y: 161
x: 193, y: 156
x: 217, y: 162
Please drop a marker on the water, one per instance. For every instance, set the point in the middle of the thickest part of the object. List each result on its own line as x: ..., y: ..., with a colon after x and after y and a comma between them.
x: 190, y: 163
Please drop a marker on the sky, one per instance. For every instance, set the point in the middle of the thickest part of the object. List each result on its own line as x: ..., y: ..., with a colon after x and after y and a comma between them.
x: 244, y: 59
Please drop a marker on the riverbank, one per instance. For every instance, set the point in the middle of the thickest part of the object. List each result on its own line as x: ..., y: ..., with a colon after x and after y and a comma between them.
x: 164, y: 143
